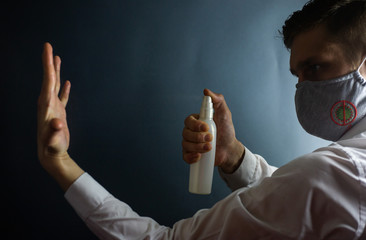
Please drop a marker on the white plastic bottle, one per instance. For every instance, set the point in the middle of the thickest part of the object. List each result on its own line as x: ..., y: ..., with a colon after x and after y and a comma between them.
x: 201, y: 172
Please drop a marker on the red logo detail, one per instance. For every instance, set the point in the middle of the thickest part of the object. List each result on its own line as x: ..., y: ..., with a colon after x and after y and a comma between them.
x: 343, y: 113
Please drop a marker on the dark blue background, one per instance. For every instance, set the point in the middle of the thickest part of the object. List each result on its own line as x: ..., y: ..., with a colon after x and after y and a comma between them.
x: 137, y: 69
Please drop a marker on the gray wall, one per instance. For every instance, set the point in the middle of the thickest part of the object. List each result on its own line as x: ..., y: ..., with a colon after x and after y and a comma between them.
x: 137, y: 69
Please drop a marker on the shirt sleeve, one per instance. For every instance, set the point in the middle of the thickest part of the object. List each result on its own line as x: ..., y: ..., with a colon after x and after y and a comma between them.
x: 299, y: 201
x: 252, y: 171
x: 106, y: 216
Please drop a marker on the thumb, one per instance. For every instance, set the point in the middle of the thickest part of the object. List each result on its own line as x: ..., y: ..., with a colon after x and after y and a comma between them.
x: 56, y: 124
x: 58, y: 139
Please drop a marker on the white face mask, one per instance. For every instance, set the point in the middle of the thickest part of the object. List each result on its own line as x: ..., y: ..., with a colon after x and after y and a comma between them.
x: 327, y: 109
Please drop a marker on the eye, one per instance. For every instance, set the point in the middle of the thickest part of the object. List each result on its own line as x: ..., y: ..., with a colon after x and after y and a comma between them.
x: 314, y: 68
x: 311, y: 71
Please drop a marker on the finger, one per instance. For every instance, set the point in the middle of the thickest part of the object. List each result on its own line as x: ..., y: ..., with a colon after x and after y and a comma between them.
x: 196, y: 137
x: 191, y: 157
x: 57, y: 63
x: 196, y: 147
x: 222, y: 111
x: 218, y: 100
x: 65, y: 93
x: 192, y: 123
x: 49, y: 77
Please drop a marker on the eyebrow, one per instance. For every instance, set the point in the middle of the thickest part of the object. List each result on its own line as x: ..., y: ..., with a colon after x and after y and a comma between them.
x: 302, y: 64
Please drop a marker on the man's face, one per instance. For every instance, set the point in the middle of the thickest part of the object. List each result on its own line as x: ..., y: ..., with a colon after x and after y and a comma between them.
x: 314, y: 57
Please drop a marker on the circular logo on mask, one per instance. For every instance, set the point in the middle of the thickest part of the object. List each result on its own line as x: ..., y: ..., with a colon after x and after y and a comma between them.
x: 343, y: 113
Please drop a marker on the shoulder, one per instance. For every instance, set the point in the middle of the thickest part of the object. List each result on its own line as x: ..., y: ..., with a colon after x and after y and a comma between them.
x: 326, y: 168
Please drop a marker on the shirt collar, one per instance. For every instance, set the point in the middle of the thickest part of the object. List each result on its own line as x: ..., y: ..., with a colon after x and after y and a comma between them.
x: 355, y: 130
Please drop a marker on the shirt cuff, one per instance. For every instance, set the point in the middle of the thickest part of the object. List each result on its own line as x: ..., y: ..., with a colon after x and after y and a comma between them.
x: 85, y: 195
x: 243, y: 176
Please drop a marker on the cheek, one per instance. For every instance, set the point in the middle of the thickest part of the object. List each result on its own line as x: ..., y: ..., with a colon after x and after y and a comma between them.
x: 337, y: 70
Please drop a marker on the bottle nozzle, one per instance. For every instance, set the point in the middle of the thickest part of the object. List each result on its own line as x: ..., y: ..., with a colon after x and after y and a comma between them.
x: 206, y: 102
x: 206, y: 108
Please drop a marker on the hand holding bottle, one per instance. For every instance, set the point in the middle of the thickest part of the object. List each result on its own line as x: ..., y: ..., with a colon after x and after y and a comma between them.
x: 201, y: 172
x: 196, y: 138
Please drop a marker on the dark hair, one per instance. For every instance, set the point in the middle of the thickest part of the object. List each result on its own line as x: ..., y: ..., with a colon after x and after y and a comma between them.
x: 345, y: 21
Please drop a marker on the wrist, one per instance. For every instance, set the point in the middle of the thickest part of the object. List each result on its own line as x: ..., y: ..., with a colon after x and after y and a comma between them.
x: 235, y: 157
x: 63, y: 169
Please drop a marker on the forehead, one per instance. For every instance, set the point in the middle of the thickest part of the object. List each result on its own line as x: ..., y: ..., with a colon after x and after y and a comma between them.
x: 312, y: 44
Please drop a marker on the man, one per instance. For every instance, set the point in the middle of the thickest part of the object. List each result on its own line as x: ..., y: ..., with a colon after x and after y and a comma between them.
x: 321, y: 195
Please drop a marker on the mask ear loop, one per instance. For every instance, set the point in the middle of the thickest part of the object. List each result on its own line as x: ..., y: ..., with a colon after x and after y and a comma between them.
x: 359, y: 68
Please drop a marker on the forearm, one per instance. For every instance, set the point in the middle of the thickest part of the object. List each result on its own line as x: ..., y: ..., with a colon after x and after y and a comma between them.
x: 235, y: 217
x: 110, y: 218
x: 105, y: 215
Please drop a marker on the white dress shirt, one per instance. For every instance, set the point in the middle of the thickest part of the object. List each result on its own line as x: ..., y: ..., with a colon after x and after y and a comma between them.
x: 321, y: 195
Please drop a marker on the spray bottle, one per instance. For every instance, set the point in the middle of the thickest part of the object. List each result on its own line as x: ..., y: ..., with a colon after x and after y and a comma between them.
x: 201, y: 172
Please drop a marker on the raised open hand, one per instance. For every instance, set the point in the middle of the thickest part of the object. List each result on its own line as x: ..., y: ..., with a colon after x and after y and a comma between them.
x: 196, y: 139
x: 53, y: 133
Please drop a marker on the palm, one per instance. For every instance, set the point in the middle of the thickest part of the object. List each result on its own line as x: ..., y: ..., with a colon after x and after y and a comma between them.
x: 53, y: 133
x: 53, y: 116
